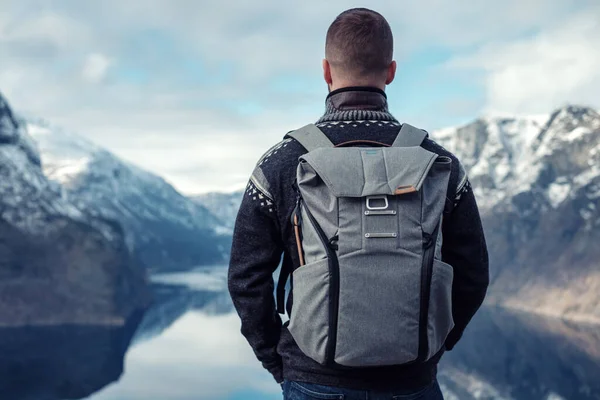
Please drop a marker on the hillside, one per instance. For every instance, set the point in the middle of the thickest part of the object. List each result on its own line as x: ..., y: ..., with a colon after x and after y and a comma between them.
x: 59, y: 264
x: 163, y: 228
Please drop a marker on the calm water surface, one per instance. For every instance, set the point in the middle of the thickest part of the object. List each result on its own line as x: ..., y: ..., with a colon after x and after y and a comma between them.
x: 188, y: 346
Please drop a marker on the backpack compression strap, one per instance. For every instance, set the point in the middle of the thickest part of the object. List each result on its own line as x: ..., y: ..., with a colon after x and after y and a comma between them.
x: 409, y: 136
x: 310, y: 137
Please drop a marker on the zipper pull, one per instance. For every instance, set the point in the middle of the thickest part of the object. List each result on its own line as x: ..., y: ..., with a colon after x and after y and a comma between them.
x: 333, y: 242
x: 296, y: 217
x: 427, y: 240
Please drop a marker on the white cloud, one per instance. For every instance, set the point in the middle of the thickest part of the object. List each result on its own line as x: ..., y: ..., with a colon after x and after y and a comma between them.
x: 179, y: 130
x: 548, y: 70
x: 95, y: 67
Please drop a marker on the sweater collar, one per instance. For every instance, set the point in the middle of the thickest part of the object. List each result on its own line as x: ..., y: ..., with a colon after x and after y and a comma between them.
x: 356, y: 103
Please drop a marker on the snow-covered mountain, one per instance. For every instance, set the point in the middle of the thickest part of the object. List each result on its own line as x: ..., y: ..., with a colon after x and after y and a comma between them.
x: 537, y: 181
x: 495, y: 151
x: 223, y: 205
x: 557, y: 153
x: 58, y: 262
x: 165, y: 229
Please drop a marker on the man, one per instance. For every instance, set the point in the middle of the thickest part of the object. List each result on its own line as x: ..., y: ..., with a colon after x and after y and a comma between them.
x: 357, y: 68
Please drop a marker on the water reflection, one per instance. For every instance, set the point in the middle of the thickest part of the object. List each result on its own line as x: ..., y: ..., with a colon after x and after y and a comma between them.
x: 188, y: 346
x: 522, y: 356
x: 176, y: 294
x: 200, y: 357
x: 503, y: 355
x: 64, y: 361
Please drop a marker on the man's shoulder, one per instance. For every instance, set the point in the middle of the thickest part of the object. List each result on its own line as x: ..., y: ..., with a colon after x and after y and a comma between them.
x: 277, y: 163
x: 274, y: 152
x: 284, y: 152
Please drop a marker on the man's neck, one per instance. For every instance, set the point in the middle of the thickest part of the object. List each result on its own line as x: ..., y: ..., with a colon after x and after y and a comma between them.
x: 356, y: 103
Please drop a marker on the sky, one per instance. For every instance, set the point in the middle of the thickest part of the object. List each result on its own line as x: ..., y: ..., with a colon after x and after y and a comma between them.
x: 197, y: 91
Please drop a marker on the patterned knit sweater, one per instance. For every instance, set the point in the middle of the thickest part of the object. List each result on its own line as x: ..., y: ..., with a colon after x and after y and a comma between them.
x: 263, y: 235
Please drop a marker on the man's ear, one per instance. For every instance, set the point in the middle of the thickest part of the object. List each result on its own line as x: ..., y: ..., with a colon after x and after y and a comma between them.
x: 327, y: 72
x: 391, y: 73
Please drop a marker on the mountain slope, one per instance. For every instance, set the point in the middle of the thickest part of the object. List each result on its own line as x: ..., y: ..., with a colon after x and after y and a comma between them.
x: 58, y: 264
x: 165, y: 229
x: 223, y: 205
x: 538, y: 185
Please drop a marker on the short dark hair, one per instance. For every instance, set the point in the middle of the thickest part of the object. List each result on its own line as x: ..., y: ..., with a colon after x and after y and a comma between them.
x: 360, y: 42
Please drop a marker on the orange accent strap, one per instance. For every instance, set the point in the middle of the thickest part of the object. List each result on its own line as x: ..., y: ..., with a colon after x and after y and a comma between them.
x: 298, y: 242
x: 405, y: 190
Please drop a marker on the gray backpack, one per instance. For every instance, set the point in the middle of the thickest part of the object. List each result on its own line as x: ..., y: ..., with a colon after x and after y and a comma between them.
x: 371, y: 289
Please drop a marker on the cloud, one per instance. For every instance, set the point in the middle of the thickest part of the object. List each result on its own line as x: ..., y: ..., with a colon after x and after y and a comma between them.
x: 539, y: 73
x: 196, y: 90
x: 95, y: 67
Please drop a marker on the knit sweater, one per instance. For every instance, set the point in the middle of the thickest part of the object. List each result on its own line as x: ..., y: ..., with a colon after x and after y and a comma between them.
x: 263, y: 238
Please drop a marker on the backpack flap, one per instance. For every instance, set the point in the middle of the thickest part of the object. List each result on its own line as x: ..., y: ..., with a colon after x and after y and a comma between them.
x: 361, y: 172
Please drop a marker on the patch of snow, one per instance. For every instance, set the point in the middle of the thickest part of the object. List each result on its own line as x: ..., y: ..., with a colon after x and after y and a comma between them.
x: 576, y: 134
x: 64, y: 171
x: 587, y: 176
x: 58, y: 141
x: 540, y: 119
x: 443, y: 133
x: 586, y: 214
x: 557, y: 193
x: 26, y: 195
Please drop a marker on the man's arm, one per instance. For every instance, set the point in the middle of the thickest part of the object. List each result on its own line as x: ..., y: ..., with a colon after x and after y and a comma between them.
x: 465, y: 249
x: 255, y: 255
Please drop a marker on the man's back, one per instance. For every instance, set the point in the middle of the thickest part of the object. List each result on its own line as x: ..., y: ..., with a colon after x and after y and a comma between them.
x: 357, y: 67
x: 263, y: 230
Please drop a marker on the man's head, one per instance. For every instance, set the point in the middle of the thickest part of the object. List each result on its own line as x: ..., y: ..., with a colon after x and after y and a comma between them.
x: 359, y: 50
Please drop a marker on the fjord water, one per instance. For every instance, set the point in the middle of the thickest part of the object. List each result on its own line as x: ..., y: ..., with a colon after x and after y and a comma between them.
x: 188, y: 346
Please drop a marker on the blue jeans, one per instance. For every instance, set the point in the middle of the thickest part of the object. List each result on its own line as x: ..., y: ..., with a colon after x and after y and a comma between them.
x: 307, y: 391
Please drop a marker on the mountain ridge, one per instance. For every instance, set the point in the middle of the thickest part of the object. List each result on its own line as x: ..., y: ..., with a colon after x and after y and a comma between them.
x: 163, y: 228
x: 537, y: 183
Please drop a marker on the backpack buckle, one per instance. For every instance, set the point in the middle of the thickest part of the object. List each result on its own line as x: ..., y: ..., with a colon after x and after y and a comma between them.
x: 371, y: 202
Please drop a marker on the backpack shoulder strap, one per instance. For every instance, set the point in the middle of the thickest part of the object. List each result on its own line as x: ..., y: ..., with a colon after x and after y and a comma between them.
x: 310, y: 137
x: 409, y: 136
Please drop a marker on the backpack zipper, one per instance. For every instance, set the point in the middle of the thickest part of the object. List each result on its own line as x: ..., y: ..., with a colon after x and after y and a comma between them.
x: 334, y: 288
x: 429, y: 244
x: 297, y: 223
